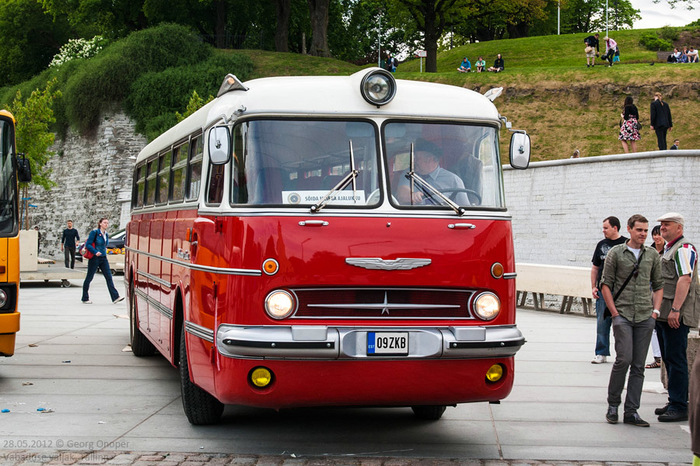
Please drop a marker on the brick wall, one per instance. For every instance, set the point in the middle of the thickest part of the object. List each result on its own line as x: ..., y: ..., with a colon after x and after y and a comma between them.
x: 558, y: 206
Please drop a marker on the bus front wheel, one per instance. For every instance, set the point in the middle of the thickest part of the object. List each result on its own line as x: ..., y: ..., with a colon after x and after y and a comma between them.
x: 200, y: 407
x: 428, y: 413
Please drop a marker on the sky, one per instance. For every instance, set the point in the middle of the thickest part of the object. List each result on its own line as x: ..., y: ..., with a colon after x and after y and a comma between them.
x: 656, y: 15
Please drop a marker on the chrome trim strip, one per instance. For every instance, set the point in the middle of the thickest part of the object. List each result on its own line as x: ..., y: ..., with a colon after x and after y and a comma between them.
x: 349, y: 343
x: 200, y: 268
x: 157, y: 305
x: 387, y: 306
x: 198, y: 331
x: 160, y: 281
x: 510, y: 276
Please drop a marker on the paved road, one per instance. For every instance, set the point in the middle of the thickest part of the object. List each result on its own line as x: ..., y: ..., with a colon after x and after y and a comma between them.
x: 103, y: 405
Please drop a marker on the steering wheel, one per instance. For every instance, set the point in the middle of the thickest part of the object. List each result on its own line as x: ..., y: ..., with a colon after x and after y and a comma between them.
x: 455, y: 191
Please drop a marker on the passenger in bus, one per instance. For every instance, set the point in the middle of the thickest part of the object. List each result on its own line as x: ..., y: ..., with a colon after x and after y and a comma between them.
x: 427, y: 166
x: 96, y: 244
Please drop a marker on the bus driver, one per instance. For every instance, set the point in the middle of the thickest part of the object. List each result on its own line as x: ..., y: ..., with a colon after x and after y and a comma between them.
x: 427, y: 166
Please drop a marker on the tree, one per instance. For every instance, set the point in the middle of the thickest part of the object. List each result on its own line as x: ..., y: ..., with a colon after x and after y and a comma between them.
x: 29, y: 39
x: 34, y: 116
x: 432, y: 17
x: 283, y: 9
x: 110, y: 18
x: 318, y: 11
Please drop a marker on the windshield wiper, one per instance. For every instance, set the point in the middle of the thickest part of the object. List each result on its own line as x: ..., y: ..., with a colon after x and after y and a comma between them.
x: 349, y: 178
x: 426, y: 187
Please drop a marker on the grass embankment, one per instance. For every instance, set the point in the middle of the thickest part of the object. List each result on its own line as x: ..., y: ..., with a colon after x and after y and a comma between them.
x: 549, y: 91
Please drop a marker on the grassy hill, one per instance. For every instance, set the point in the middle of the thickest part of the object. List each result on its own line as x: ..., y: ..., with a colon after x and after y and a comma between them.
x: 548, y: 90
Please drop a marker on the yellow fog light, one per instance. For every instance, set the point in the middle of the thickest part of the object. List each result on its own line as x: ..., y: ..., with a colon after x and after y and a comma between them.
x: 261, y: 377
x: 495, y: 373
x: 487, y: 306
x: 279, y: 304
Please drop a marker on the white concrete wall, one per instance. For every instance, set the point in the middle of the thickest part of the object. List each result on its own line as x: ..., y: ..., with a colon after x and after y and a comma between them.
x: 558, y: 206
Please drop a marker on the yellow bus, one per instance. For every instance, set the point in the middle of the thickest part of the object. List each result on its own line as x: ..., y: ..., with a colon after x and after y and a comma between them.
x: 11, y: 170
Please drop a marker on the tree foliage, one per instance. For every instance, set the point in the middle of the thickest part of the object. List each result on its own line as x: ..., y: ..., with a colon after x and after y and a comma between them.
x: 34, y: 118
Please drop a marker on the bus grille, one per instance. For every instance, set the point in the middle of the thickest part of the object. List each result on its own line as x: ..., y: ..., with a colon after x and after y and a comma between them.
x: 379, y: 303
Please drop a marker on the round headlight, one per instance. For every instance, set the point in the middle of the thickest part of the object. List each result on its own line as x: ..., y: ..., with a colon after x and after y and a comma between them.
x: 279, y: 304
x: 487, y: 306
x: 3, y: 298
x: 378, y: 87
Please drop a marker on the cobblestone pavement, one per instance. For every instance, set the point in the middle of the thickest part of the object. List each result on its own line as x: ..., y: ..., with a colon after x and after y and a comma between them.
x: 27, y: 458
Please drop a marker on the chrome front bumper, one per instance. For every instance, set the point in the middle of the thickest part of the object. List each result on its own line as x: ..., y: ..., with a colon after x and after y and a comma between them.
x: 327, y: 343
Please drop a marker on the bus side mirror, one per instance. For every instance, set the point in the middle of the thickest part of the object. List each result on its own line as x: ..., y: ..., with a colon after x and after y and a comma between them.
x: 219, y: 145
x: 24, y: 170
x: 520, y: 150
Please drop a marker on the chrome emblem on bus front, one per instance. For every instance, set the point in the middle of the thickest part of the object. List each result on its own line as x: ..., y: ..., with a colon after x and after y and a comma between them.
x: 377, y: 263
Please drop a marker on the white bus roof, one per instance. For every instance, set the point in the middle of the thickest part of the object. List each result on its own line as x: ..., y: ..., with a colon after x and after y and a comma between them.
x: 330, y: 96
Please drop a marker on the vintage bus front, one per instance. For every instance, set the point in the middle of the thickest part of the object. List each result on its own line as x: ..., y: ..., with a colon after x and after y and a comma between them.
x: 350, y: 247
x: 9, y: 239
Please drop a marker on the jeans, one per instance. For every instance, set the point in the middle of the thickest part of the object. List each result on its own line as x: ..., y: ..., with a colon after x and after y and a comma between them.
x: 674, y: 347
x: 69, y: 253
x: 602, y: 341
x: 102, y: 263
x: 631, y: 346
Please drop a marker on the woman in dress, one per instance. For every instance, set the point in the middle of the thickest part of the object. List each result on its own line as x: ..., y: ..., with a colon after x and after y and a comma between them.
x: 629, y: 126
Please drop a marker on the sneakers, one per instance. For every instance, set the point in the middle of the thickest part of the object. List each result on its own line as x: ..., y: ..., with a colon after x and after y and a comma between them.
x: 635, y: 420
x: 86, y: 302
x: 611, y: 415
x: 672, y: 415
x: 118, y: 300
x: 599, y: 359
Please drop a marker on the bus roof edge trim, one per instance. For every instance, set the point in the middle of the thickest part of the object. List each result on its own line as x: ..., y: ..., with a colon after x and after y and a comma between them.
x: 231, y: 83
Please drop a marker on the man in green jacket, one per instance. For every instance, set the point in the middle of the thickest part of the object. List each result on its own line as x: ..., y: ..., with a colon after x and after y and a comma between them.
x: 628, y: 271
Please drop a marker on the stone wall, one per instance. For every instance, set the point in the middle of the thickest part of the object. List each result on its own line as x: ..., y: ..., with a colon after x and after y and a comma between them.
x: 558, y: 206
x: 93, y: 180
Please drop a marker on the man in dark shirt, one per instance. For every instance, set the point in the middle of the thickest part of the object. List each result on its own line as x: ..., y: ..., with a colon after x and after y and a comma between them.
x: 69, y: 241
x: 592, y: 42
x: 611, y: 231
x: 661, y: 121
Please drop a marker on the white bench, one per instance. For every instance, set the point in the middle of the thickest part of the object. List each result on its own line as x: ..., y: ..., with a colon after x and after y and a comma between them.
x: 568, y: 282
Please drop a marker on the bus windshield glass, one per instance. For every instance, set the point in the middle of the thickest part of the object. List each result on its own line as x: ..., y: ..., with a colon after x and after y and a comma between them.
x: 7, y: 179
x: 433, y: 164
x: 304, y: 162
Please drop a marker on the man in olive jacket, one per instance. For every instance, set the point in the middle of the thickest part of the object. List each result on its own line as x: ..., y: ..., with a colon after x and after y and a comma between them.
x: 680, y: 310
x: 628, y: 271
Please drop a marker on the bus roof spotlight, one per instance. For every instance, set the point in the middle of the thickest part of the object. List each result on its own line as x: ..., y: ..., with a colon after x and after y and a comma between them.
x: 378, y: 87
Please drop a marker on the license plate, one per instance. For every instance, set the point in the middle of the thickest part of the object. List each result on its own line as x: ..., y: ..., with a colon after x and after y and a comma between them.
x: 387, y: 343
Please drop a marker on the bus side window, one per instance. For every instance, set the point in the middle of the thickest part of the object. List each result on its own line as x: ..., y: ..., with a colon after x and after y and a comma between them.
x: 139, y: 186
x: 215, y: 191
x: 194, y: 169
x: 151, y: 182
x: 179, y: 174
x: 164, y: 177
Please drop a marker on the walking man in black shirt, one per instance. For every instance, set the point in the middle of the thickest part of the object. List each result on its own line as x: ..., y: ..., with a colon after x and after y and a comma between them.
x: 69, y: 241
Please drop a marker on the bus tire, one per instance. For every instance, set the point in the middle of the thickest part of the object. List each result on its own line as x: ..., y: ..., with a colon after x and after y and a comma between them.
x: 428, y: 413
x: 200, y: 407
x: 140, y: 345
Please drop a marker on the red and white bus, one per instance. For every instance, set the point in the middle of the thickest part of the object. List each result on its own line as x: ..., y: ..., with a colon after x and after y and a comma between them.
x: 328, y: 241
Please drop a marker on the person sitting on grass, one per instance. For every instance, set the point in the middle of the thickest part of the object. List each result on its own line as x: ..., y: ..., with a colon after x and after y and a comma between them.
x: 498, y: 65
x: 480, y: 65
x: 465, y: 67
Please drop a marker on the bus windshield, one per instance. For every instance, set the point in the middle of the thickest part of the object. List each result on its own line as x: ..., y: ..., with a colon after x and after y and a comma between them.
x: 431, y: 164
x: 335, y: 163
x: 295, y: 162
x: 7, y: 179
